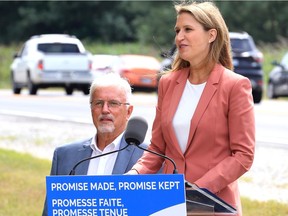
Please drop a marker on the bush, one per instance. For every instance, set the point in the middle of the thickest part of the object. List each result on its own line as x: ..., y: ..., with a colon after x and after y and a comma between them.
x: 6, y: 58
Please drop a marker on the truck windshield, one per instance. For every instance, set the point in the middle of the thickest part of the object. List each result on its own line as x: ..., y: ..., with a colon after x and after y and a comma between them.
x: 58, y: 48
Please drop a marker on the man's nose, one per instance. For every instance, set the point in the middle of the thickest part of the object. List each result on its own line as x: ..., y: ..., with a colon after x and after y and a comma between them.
x: 105, y: 107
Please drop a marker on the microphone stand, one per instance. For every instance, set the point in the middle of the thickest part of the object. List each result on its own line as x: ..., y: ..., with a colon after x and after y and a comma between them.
x: 72, y: 172
x: 175, y: 171
x: 135, y: 134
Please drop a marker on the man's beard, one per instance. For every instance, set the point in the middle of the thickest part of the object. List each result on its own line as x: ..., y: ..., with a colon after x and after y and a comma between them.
x: 106, y: 128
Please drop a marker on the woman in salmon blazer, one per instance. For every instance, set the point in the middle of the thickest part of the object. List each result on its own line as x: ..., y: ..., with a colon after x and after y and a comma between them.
x: 205, y: 113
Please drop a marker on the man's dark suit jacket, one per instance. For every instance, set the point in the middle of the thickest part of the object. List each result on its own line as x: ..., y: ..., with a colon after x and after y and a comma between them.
x: 65, y: 157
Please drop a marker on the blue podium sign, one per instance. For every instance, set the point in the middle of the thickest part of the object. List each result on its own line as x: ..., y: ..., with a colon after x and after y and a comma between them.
x: 116, y: 195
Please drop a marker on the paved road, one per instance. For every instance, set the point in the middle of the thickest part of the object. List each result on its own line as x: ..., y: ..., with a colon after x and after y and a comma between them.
x: 268, y: 178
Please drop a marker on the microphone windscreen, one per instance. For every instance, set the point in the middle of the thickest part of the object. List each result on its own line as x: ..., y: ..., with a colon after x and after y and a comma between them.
x: 136, y: 131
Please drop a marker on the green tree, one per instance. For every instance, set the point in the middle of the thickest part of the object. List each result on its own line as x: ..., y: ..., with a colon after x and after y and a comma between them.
x: 132, y: 21
x: 264, y: 20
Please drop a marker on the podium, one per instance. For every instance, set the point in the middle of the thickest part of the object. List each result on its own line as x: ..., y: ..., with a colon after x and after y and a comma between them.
x: 116, y: 195
x: 131, y: 195
x: 200, y: 201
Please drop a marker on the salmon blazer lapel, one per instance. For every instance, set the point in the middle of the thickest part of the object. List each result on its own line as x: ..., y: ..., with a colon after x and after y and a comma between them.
x: 208, y: 93
x: 175, y: 99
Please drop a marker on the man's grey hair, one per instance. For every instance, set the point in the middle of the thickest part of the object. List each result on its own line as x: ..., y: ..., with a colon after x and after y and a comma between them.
x: 111, y: 79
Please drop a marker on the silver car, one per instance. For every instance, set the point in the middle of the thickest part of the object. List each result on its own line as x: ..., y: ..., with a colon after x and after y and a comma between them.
x: 278, y: 79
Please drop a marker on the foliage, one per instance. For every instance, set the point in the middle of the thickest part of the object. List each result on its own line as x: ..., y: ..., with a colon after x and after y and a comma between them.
x: 131, y: 21
x: 264, y: 20
x: 122, y: 48
x: 272, y: 52
x: 117, y: 21
x: 6, y: 58
x: 154, y: 22
x: 22, y: 188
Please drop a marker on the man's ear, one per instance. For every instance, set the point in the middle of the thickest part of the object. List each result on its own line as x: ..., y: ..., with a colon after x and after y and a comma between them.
x: 129, y: 111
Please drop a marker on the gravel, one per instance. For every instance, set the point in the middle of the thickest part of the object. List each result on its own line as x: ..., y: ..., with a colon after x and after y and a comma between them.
x: 267, y: 179
x: 39, y: 137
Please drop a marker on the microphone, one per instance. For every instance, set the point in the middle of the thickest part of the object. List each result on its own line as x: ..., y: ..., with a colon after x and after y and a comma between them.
x: 72, y: 172
x: 135, y: 134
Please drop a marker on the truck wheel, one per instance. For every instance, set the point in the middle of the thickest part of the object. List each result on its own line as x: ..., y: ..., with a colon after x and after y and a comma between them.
x: 257, y: 96
x: 270, y: 91
x: 15, y: 88
x: 86, y: 90
x: 32, y: 88
x: 69, y: 90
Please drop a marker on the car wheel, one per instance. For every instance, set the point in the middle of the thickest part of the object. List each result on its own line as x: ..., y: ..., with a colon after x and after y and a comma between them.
x: 69, y: 90
x: 270, y: 91
x: 32, y: 88
x: 15, y: 88
x: 257, y: 96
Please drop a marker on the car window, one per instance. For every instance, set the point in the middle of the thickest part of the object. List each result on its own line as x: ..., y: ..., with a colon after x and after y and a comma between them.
x: 241, y: 45
x: 58, y: 48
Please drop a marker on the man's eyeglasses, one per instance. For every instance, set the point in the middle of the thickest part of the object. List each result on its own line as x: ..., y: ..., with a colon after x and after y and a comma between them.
x: 110, y: 104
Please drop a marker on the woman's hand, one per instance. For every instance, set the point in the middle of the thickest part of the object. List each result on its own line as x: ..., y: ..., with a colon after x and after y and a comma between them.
x: 132, y: 172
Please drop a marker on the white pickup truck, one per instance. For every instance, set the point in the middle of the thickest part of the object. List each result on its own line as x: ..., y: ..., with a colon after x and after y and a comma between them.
x: 52, y: 60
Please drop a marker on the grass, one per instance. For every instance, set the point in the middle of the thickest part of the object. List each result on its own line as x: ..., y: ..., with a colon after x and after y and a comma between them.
x: 122, y: 48
x: 6, y: 58
x: 22, y: 188
x: 22, y: 184
x: 270, y: 208
x: 272, y: 53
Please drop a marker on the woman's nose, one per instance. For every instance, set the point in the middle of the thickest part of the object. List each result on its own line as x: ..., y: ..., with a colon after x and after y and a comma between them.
x: 179, y: 36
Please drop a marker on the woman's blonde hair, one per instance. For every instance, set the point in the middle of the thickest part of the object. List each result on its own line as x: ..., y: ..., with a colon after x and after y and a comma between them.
x: 209, y: 16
